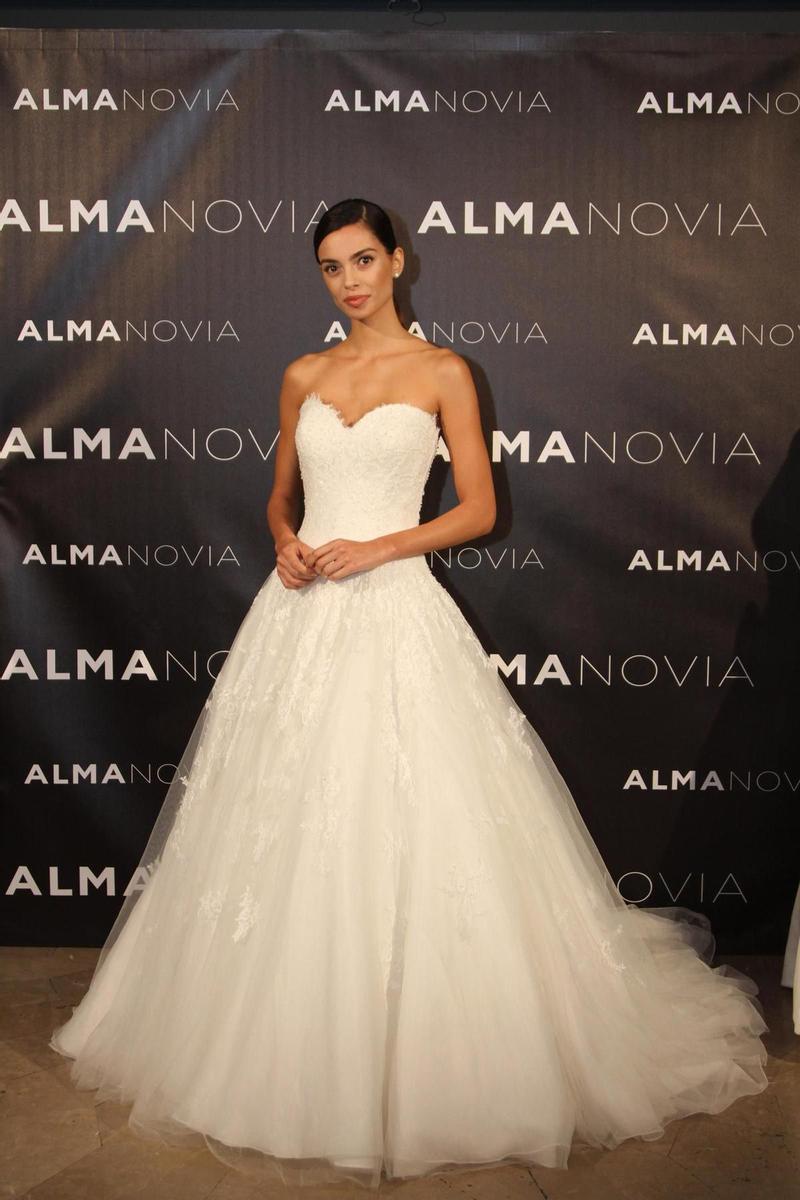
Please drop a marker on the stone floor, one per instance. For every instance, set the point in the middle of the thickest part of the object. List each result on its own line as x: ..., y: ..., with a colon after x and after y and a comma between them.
x: 56, y: 1144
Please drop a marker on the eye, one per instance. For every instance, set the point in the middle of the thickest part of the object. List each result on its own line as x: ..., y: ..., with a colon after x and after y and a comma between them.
x: 368, y: 257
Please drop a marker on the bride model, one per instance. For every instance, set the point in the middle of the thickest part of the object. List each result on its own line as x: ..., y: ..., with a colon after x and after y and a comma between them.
x: 375, y: 936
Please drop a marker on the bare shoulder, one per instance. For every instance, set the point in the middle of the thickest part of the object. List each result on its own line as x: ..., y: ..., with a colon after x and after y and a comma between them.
x: 299, y: 370
x: 303, y: 373
x: 453, y: 375
x: 451, y: 369
x: 293, y: 389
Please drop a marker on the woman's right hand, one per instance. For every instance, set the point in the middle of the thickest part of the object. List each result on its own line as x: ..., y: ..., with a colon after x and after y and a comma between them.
x: 290, y: 564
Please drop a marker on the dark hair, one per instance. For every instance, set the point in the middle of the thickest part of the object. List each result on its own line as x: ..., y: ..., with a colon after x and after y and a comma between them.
x: 349, y: 212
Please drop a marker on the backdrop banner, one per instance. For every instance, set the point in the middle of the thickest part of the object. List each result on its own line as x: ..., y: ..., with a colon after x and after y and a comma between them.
x: 603, y: 225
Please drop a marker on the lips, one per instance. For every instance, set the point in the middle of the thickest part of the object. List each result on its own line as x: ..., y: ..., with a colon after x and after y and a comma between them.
x: 356, y: 300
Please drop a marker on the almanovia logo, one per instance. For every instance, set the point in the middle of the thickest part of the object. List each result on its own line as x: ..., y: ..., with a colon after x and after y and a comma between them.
x: 161, y: 99
x: 473, y: 102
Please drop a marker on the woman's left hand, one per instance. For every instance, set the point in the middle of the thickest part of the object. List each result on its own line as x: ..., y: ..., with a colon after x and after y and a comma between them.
x: 342, y: 557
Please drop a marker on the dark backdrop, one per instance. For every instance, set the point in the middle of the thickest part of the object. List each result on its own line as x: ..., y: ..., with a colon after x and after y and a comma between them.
x: 614, y: 259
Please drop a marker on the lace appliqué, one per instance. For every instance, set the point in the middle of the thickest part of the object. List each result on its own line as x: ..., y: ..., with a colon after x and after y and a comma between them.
x: 394, y: 845
x: 267, y: 833
x: 253, y: 818
x: 271, y: 804
x: 606, y: 949
x: 517, y: 722
x: 486, y: 822
x: 211, y: 903
x: 501, y: 717
x: 249, y: 909
x: 231, y: 698
x: 329, y: 810
x: 465, y: 887
x: 394, y: 757
x: 567, y: 919
x: 178, y: 834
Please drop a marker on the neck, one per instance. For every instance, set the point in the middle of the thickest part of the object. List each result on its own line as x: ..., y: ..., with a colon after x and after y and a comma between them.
x: 374, y: 336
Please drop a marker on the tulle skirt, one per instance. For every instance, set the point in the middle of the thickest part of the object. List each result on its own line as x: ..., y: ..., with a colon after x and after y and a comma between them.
x: 374, y: 937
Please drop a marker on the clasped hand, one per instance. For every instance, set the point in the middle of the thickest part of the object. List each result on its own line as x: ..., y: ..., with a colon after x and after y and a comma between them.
x: 298, y: 563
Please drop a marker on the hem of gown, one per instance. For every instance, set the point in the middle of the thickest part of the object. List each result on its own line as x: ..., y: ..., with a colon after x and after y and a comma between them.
x: 554, y: 1156
x: 320, y: 1170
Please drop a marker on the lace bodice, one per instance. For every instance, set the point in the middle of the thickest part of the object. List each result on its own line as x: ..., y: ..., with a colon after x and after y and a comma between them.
x: 366, y: 479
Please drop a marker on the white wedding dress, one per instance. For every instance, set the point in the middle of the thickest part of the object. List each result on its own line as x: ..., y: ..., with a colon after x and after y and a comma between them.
x: 374, y: 934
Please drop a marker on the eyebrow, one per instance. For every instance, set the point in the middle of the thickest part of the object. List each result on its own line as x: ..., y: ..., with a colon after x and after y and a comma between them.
x: 357, y: 254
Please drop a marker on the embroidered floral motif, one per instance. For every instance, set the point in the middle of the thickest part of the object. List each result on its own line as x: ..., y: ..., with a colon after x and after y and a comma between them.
x: 329, y: 811
x: 485, y: 822
x: 464, y: 885
x: 267, y: 833
x: 517, y: 722
x: 606, y: 950
x: 568, y: 920
x: 489, y: 700
x: 181, y: 820
x: 249, y: 909
x: 394, y: 757
x: 211, y: 903
x: 394, y: 844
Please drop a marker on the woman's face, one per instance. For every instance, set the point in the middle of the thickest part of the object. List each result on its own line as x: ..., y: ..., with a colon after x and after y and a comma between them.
x: 357, y: 267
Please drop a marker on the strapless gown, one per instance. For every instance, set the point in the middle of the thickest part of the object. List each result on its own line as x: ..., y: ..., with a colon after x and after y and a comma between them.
x: 372, y: 934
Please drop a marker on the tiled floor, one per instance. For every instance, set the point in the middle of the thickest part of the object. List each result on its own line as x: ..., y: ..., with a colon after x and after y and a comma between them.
x: 56, y: 1144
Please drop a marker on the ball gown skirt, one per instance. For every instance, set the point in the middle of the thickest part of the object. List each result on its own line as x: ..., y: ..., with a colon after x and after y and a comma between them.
x: 374, y: 936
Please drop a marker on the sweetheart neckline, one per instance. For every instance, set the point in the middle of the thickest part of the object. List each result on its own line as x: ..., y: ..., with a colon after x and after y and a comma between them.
x: 352, y: 425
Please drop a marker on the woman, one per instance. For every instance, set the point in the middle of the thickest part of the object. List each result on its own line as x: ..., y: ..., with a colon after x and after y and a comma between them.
x: 376, y: 935
x: 379, y: 363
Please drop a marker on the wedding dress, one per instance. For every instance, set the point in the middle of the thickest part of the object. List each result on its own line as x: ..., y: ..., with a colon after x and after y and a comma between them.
x: 374, y: 935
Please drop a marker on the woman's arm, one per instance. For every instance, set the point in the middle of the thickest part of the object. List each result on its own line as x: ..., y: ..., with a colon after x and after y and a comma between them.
x: 283, y: 506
